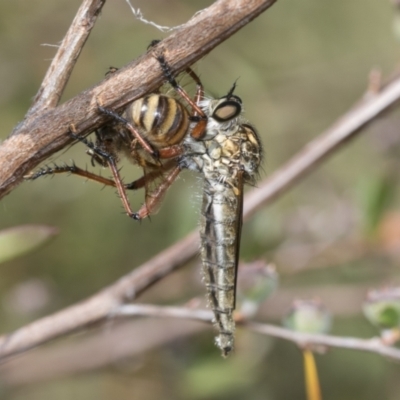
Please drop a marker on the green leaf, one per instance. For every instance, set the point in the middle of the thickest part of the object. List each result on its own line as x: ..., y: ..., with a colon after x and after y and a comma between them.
x: 377, y: 195
x: 19, y: 240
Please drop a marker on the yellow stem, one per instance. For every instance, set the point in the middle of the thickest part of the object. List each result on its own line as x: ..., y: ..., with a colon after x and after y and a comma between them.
x: 311, y: 376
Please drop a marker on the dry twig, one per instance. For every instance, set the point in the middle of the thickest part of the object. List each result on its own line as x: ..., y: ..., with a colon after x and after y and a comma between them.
x: 374, y: 345
x: 63, y: 63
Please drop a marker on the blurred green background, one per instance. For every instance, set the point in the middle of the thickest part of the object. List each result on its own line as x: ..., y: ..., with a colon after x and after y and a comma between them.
x: 301, y: 65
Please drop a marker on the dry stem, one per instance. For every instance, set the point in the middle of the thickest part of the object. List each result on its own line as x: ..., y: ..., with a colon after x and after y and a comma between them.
x: 63, y: 63
x: 374, y: 345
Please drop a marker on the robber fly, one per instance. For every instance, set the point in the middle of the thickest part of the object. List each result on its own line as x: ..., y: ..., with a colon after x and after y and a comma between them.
x: 149, y: 133
x: 228, y: 156
x: 227, y: 151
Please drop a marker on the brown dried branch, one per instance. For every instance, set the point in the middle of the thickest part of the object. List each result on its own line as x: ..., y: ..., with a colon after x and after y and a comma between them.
x: 42, y: 135
x: 124, y: 340
x: 104, y: 303
x: 64, y: 61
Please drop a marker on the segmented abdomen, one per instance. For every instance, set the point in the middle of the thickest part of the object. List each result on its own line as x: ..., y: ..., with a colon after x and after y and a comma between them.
x: 220, y: 236
x: 162, y: 119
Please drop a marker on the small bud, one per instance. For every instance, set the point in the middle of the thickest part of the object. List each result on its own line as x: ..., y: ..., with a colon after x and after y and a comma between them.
x: 382, y: 308
x: 308, y: 316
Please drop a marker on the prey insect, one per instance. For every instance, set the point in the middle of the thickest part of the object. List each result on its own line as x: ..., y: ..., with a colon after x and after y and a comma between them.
x: 149, y: 133
x: 228, y: 157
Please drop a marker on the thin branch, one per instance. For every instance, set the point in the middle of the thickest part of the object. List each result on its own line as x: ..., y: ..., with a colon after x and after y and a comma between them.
x: 101, y: 350
x: 104, y: 303
x: 373, y: 345
x: 41, y: 136
x: 348, y: 126
x: 149, y: 310
x: 68, y: 52
x: 119, y: 341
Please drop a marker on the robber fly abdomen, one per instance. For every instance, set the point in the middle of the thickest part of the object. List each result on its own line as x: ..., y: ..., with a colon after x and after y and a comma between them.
x: 219, y: 240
